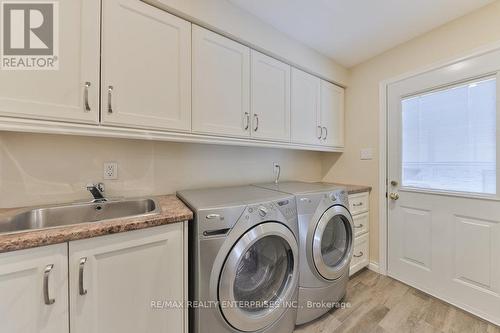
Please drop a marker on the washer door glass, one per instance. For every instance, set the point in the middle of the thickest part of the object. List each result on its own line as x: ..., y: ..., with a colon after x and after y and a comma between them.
x: 259, y: 276
x: 332, y: 244
x: 262, y: 273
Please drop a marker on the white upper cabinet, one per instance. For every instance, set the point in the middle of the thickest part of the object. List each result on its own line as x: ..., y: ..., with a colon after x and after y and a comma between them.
x: 221, y: 85
x: 69, y: 93
x: 332, y: 114
x: 270, y: 98
x: 306, y: 127
x: 34, y: 290
x: 146, y: 67
x: 114, y: 279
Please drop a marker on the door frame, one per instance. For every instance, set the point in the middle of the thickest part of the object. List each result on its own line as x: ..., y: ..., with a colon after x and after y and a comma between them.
x: 383, y: 143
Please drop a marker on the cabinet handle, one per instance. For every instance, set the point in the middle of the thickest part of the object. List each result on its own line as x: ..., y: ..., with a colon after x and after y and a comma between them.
x: 82, y: 290
x: 46, y: 274
x: 320, y: 132
x: 357, y: 204
x: 110, y: 95
x: 256, y: 117
x: 359, y: 255
x: 247, y: 119
x: 86, y: 97
x: 359, y: 226
x: 326, y: 133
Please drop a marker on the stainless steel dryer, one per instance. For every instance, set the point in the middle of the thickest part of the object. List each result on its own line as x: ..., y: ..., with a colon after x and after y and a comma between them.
x: 325, y: 247
x: 243, y: 260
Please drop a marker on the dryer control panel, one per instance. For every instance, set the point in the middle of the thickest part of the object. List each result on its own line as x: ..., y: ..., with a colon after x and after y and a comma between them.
x: 340, y: 197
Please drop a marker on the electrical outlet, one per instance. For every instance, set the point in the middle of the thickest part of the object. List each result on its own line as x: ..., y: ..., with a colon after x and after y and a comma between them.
x: 110, y: 170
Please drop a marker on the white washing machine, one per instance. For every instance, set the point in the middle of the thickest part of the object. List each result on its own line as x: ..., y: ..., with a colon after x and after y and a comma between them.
x: 325, y: 247
x: 243, y: 260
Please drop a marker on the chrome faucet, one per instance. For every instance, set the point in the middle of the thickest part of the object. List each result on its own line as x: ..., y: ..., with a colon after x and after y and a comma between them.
x: 96, y: 190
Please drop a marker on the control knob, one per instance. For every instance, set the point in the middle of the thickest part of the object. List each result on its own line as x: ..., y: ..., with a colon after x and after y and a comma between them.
x: 263, y: 211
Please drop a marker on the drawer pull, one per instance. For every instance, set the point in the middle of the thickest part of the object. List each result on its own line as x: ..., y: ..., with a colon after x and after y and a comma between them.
x: 46, y: 274
x: 359, y: 255
x: 213, y: 216
x: 359, y: 204
x: 359, y: 226
x: 82, y: 290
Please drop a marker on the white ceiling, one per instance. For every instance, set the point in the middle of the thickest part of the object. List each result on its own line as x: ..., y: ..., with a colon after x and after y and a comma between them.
x: 352, y: 31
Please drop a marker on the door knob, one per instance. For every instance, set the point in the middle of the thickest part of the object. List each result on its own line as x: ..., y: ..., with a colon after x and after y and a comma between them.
x: 394, y: 196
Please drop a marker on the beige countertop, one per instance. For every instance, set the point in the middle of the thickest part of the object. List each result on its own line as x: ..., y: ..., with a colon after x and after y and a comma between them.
x: 353, y: 189
x: 172, y: 210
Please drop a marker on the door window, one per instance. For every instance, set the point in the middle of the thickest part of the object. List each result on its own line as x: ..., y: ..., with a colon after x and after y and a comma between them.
x: 449, y: 138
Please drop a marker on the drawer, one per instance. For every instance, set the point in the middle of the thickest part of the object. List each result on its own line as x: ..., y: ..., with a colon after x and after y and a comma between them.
x: 361, y: 255
x: 359, y: 203
x: 361, y: 224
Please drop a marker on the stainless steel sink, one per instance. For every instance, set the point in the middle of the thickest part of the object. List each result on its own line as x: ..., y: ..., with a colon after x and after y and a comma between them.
x: 56, y: 216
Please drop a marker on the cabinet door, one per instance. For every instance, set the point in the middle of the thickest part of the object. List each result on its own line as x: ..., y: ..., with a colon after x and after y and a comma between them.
x: 146, y: 67
x: 332, y: 114
x: 26, y: 276
x: 60, y: 94
x: 115, y: 281
x: 270, y: 98
x: 305, y: 108
x: 221, y: 85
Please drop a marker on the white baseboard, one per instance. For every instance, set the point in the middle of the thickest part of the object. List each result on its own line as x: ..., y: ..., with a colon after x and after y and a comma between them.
x: 373, y: 266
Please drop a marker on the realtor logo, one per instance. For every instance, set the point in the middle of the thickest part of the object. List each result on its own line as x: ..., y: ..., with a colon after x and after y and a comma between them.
x: 29, y: 35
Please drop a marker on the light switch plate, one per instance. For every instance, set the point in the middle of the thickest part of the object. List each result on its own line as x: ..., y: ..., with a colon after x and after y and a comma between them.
x: 366, y: 154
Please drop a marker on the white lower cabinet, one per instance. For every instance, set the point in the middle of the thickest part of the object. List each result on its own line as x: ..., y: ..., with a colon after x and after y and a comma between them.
x: 360, y: 211
x: 34, y: 290
x: 115, y: 279
x: 361, y: 254
x: 127, y: 282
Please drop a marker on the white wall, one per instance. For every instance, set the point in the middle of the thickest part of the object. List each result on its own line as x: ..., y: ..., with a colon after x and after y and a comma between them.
x: 228, y: 19
x: 40, y: 169
x: 362, y: 96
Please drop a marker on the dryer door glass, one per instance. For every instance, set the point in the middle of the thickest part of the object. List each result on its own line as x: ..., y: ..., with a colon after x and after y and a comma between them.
x: 332, y: 243
x: 259, y: 277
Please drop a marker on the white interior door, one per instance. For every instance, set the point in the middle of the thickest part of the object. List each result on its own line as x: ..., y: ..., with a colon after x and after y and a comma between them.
x: 444, y: 207
x: 221, y: 85
x: 71, y: 92
x: 146, y: 67
x: 270, y: 98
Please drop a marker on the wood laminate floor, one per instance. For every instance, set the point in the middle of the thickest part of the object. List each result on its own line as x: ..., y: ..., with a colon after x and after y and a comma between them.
x: 381, y: 304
